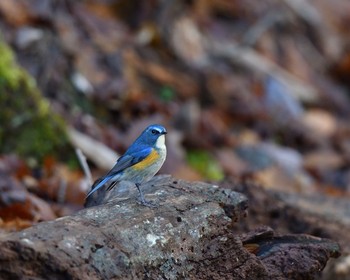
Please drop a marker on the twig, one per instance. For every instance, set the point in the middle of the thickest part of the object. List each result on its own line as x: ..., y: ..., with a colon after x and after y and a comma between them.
x: 91, y: 148
x: 252, y: 59
x: 84, y: 165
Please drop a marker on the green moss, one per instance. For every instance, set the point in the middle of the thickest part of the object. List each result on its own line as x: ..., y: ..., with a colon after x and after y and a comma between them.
x: 10, y: 73
x: 205, y: 164
x: 167, y: 94
x: 28, y: 127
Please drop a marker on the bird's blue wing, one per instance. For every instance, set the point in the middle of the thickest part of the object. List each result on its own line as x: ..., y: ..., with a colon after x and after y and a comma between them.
x: 130, y: 158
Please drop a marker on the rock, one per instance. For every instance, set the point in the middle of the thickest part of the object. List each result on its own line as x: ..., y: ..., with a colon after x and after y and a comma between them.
x: 290, y: 256
x: 189, y: 236
x: 292, y: 213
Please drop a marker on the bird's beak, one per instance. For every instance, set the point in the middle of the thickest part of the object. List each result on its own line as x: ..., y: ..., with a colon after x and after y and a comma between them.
x: 164, y: 132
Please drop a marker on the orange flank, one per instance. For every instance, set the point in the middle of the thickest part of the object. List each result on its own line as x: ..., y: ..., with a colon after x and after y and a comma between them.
x: 152, y: 158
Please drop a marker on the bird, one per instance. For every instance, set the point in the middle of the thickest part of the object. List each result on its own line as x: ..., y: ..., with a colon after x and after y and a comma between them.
x: 141, y: 161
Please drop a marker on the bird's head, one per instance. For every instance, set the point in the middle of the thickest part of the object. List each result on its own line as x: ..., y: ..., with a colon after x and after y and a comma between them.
x: 153, y: 135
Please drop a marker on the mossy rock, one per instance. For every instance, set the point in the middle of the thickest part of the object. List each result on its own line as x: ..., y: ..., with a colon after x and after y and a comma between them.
x: 28, y: 128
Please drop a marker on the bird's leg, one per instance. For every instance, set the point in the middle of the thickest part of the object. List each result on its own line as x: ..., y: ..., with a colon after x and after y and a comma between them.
x: 142, y: 198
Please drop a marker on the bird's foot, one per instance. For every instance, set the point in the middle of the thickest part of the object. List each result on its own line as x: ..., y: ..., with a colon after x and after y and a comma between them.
x: 147, y: 203
x: 142, y: 199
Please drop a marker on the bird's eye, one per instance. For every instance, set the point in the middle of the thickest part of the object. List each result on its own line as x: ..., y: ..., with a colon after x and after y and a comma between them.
x: 154, y: 131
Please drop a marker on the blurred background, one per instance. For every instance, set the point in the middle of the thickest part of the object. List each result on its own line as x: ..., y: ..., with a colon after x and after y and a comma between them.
x: 248, y: 90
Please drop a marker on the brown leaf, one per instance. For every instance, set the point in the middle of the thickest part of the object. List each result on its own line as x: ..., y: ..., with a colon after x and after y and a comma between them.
x: 64, y: 186
x: 231, y: 163
x: 15, y: 12
x: 32, y: 209
x: 15, y: 224
x: 320, y: 122
x: 276, y: 178
x: 323, y: 160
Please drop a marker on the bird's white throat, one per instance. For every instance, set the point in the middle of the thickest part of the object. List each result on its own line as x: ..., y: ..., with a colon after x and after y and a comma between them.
x: 160, y: 144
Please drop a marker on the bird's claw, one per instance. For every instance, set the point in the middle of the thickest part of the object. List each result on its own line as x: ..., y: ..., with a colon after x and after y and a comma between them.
x: 147, y: 203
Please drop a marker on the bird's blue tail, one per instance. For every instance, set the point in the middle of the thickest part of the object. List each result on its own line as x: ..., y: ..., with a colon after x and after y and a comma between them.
x: 100, y: 184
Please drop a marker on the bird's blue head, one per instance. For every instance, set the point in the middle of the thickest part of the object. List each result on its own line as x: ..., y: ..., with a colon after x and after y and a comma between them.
x: 153, y: 135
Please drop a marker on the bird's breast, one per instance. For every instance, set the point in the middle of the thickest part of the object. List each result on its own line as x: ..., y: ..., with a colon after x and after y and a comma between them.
x: 152, y: 158
x: 155, y: 159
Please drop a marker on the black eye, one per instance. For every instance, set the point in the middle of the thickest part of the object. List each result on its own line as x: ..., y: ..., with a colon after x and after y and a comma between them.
x: 154, y: 131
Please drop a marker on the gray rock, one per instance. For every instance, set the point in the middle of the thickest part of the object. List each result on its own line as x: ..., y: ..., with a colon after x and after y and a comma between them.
x: 189, y: 236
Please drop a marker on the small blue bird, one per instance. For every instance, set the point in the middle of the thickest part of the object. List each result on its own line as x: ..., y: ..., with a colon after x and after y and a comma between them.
x: 140, y: 163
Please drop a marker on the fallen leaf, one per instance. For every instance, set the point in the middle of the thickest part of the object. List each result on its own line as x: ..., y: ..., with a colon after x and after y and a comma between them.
x: 320, y: 122
x: 325, y: 159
